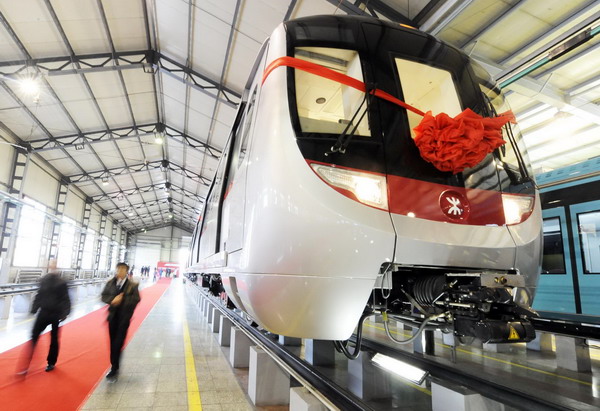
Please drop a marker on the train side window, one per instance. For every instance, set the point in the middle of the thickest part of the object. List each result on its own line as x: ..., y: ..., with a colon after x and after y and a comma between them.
x: 553, y: 261
x: 589, y: 237
x: 327, y: 106
x: 241, y: 144
x: 427, y: 88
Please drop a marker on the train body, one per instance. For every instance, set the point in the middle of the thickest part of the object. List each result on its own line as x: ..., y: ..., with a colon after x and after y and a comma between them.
x: 570, y: 281
x: 322, y: 207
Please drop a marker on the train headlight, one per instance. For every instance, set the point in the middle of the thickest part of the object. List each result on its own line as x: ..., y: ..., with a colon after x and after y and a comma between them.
x: 367, y: 188
x: 516, y: 208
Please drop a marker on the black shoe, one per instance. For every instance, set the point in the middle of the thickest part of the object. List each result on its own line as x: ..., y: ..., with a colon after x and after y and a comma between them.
x: 49, y: 367
x: 112, y: 375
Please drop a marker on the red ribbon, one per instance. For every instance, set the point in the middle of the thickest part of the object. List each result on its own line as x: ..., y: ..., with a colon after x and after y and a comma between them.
x: 330, y: 74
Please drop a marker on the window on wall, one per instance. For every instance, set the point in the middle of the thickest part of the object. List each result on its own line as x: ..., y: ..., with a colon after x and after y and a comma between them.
x: 30, y: 234
x: 87, y: 261
x: 589, y: 237
x: 66, y: 243
x: 554, y: 256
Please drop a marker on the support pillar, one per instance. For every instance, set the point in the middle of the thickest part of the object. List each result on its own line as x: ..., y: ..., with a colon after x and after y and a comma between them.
x: 224, y: 331
x: 366, y: 380
x: 425, y: 343
x: 5, y: 303
x: 59, y: 207
x: 290, y: 341
x: 215, y: 320
x: 103, y: 217
x: 319, y: 352
x: 542, y: 342
x: 573, y: 354
x: 209, y: 312
x: 268, y: 384
x: 11, y: 212
x: 302, y: 400
x: 501, y: 348
x: 447, y: 396
x: 87, y: 212
x: 113, y: 247
x: 239, y: 353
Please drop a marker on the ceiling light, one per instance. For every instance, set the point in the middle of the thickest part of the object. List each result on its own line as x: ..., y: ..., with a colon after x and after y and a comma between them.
x: 130, y: 213
x: 402, y: 369
x: 170, y: 215
x: 158, y: 139
x: 105, y: 181
x: 30, y: 86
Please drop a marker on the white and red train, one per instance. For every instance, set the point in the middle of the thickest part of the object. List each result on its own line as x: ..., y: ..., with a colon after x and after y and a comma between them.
x: 322, y: 207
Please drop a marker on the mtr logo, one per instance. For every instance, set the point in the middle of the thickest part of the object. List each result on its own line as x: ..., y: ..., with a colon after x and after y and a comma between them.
x: 454, y: 205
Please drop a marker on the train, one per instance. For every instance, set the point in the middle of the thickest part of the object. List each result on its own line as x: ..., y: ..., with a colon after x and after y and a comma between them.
x: 571, y: 224
x: 324, y: 210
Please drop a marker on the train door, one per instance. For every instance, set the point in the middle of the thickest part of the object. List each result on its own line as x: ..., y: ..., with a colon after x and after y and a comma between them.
x: 585, y: 224
x: 211, y: 221
x: 232, y: 228
x: 555, y: 290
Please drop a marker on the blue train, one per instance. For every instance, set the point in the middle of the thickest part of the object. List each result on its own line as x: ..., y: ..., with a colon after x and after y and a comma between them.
x: 570, y: 280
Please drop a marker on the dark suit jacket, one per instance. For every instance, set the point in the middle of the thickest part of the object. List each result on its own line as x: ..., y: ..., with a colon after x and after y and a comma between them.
x: 52, y: 297
x: 131, y: 298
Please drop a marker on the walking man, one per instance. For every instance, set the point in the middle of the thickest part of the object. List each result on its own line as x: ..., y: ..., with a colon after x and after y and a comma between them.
x: 122, y: 295
x: 53, y: 302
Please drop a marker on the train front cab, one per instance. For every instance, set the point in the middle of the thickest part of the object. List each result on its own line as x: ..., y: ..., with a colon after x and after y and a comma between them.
x: 499, y: 225
x: 306, y: 258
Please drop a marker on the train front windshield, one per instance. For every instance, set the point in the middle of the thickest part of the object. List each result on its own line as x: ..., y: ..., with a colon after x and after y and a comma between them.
x: 411, y: 66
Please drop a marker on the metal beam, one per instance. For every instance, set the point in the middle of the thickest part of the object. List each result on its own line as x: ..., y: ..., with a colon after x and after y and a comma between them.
x: 146, y: 189
x: 148, y: 60
x: 290, y: 10
x: 542, y: 54
x: 493, y: 23
x: 177, y: 224
x: 136, y: 168
x: 385, y: 10
x: 443, y: 15
x: 84, y: 80
x: 426, y: 12
x: 158, y: 202
x: 546, y: 93
x: 553, y: 34
x: 79, y: 140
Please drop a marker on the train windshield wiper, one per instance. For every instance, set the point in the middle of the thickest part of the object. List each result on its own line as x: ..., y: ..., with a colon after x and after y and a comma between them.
x: 344, y: 139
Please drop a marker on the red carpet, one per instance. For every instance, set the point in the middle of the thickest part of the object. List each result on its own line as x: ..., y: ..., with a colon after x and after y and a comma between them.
x: 82, y: 362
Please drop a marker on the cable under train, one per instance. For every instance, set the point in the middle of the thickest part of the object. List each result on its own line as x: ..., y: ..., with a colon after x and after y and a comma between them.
x: 323, y: 210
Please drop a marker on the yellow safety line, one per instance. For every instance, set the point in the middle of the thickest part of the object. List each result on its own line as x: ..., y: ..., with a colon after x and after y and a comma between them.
x: 498, y: 360
x: 194, y: 402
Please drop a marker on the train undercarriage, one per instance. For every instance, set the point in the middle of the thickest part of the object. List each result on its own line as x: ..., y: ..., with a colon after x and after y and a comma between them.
x: 470, y: 304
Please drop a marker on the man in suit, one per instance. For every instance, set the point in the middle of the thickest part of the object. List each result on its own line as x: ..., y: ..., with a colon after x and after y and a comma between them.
x: 122, y: 296
x: 53, y: 302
